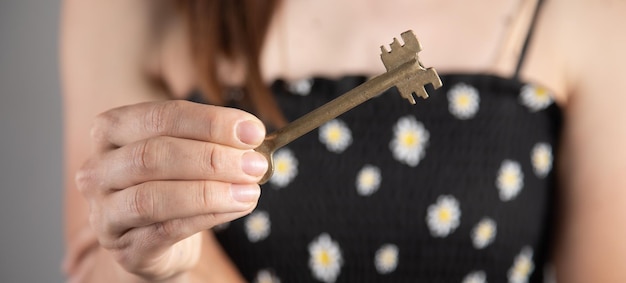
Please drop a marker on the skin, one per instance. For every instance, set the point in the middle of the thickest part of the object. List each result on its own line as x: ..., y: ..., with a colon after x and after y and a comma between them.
x: 129, y: 152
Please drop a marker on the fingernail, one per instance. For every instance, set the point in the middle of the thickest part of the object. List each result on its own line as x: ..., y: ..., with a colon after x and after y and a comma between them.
x: 245, y: 193
x: 253, y: 163
x: 249, y: 132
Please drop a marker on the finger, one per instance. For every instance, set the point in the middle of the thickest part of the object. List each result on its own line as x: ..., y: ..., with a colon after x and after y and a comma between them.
x: 160, y: 201
x: 172, y: 231
x: 167, y: 158
x: 153, y: 240
x: 182, y: 119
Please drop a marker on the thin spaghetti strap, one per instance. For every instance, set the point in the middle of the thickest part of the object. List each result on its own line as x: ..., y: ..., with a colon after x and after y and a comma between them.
x: 529, y: 35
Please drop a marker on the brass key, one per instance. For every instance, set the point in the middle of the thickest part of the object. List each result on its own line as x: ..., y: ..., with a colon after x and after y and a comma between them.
x: 404, y: 70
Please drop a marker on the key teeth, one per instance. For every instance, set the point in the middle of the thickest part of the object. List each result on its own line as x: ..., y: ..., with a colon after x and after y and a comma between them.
x: 435, y: 80
x: 410, y: 41
x: 425, y: 76
x: 395, y: 44
x: 410, y: 98
x: 400, y: 53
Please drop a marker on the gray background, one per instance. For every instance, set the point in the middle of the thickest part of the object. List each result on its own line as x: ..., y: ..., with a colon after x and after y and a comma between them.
x: 31, y: 185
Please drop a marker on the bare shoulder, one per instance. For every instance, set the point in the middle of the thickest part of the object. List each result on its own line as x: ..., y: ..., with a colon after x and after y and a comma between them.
x: 590, y: 31
x: 589, y: 43
x: 112, y: 42
x: 572, y: 38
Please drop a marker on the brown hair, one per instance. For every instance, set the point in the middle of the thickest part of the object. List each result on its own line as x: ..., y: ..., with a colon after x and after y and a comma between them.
x: 233, y: 30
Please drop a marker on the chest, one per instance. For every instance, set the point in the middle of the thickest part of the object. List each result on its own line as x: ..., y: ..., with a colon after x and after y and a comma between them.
x: 336, y: 38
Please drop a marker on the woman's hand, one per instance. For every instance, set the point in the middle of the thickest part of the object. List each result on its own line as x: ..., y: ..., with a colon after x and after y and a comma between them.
x: 164, y: 171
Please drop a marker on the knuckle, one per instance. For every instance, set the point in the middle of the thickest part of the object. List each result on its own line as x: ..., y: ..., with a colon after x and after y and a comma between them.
x: 102, y: 229
x: 167, y: 231
x: 101, y: 126
x: 160, y: 118
x: 100, y: 223
x: 86, y: 178
x: 205, y: 195
x: 215, y: 126
x: 142, y: 204
x: 211, y: 159
x: 144, y: 156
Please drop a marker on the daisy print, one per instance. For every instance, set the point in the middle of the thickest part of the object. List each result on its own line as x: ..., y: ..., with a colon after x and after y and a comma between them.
x: 301, y: 87
x: 463, y: 101
x: 266, y: 276
x: 475, y: 277
x: 510, y: 180
x: 535, y: 97
x: 325, y: 258
x: 541, y: 159
x: 285, y: 168
x: 484, y: 233
x: 409, y: 141
x: 257, y: 226
x: 522, y: 267
x: 368, y: 180
x: 386, y: 258
x: 443, y: 217
x: 335, y: 135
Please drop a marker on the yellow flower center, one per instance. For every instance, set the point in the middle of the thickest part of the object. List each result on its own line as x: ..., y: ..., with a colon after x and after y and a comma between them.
x: 445, y: 215
x: 324, y: 258
x: 541, y: 93
x: 541, y: 159
x: 387, y: 258
x: 409, y: 139
x: 334, y: 134
x: 485, y: 231
x: 522, y: 268
x: 282, y: 166
x: 367, y: 179
x: 463, y: 100
x: 257, y: 224
x: 510, y: 178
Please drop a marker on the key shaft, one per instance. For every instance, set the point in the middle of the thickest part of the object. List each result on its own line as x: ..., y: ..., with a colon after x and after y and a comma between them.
x: 334, y: 108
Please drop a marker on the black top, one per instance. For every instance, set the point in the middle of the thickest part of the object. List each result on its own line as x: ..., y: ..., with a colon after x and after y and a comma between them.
x: 459, y: 187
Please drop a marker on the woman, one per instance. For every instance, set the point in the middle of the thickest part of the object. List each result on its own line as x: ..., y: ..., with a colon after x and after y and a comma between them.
x: 161, y: 174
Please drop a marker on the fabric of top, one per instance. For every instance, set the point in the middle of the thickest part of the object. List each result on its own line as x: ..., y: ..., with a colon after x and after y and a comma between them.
x: 458, y: 188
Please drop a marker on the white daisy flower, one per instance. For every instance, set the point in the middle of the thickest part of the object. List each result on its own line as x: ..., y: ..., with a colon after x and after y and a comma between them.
x: 368, y: 180
x: 409, y: 141
x: 335, y: 135
x: 522, y: 267
x: 325, y: 258
x: 257, y: 226
x: 285, y: 168
x: 484, y: 233
x: 266, y: 276
x: 443, y: 217
x: 475, y: 277
x: 535, y: 97
x: 541, y: 158
x: 463, y: 101
x: 386, y: 258
x: 300, y: 87
x: 510, y: 180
